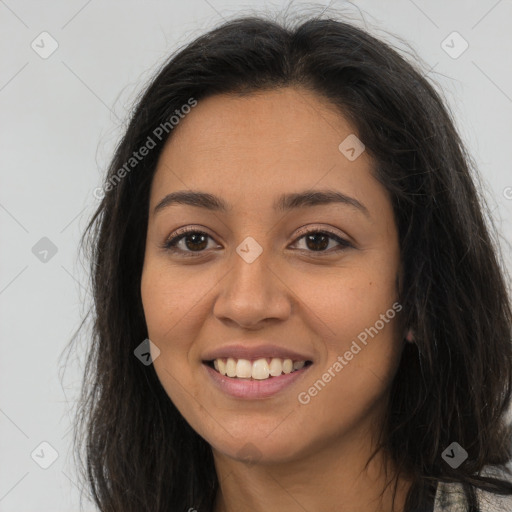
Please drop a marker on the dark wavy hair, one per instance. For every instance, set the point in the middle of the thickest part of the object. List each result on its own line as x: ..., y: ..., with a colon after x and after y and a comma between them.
x: 453, y: 384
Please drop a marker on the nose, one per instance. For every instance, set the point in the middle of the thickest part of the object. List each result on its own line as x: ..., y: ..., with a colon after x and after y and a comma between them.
x: 253, y: 293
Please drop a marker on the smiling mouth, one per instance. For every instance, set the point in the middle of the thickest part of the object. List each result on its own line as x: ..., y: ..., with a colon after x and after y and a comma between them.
x: 259, y: 369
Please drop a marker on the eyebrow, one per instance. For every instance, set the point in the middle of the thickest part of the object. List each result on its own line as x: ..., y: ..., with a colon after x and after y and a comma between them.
x: 284, y: 203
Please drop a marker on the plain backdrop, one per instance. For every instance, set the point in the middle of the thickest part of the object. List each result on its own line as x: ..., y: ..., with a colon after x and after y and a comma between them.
x: 62, y: 115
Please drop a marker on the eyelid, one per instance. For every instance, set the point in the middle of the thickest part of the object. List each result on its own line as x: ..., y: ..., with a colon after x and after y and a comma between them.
x: 319, y: 229
x: 179, y: 234
x: 186, y: 229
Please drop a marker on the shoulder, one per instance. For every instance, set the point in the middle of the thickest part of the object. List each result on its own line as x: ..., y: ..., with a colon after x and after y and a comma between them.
x: 450, y: 497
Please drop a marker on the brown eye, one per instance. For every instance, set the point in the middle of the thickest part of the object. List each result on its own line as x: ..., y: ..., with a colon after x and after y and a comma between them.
x: 318, y: 241
x: 193, y: 241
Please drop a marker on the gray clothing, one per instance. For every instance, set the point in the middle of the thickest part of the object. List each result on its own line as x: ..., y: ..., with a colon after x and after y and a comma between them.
x: 450, y: 497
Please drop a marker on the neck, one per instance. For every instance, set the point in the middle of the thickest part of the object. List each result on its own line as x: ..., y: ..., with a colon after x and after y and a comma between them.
x: 333, y: 478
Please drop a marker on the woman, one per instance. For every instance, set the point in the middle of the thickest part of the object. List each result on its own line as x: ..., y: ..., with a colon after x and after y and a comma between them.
x: 298, y: 304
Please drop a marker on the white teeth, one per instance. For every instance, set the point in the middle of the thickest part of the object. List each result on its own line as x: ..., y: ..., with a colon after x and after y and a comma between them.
x: 276, y: 367
x: 231, y: 367
x: 287, y: 366
x: 243, y: 369
x: 259, y: 369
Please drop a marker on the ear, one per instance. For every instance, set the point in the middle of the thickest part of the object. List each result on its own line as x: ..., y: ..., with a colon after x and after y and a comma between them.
x: 410, y: 336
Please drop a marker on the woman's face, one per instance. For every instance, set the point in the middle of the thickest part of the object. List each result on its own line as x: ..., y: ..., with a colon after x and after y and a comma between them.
x: 251, y: 277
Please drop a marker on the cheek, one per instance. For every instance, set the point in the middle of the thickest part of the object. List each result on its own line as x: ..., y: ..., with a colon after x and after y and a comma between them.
x: 170, y: 299
x: 362, y: 354
x: 169, y: 303
x: 345, y: 300
x: 175, y: 302
x: 356, y: 314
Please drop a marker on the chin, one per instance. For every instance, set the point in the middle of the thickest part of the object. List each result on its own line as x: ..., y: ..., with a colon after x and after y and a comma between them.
x: 258, y: 450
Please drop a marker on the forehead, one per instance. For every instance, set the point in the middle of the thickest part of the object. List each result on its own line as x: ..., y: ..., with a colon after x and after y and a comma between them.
x: 257, y: 146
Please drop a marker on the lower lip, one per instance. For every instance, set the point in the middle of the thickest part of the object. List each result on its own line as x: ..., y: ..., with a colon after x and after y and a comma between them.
x: 253, y: 389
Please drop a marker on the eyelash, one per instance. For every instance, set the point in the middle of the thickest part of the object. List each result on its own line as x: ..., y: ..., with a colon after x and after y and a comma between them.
x: 170, y: 243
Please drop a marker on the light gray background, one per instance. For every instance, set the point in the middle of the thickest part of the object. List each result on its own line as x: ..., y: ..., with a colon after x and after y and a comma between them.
x: 61, y: 119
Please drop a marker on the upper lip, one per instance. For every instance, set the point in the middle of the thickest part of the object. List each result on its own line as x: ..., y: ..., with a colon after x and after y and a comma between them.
x: 260, y: 351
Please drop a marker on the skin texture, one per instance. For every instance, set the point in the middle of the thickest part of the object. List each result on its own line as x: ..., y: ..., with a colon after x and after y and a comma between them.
x: 248, y: 150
